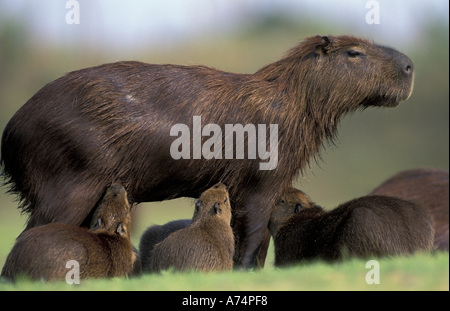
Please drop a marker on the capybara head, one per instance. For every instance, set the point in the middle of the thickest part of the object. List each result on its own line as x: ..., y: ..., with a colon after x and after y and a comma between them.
x: 292, y: 202
x: 349, y: 71
x: 214, y: 201
x: 113, y: 214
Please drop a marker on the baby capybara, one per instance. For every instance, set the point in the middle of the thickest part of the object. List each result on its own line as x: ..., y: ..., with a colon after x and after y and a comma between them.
x: 429, y: 187
x: 207, y: 244
x: 120, y: 121
x: 156, y: 234
x: 104, y: 250
x: 367, y: 226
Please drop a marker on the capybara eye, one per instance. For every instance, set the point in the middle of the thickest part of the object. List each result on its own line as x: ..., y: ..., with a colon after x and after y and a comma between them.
x: 225, y: 201
x: 353, y: 53
x: 298, y: 207
x: 282, y: 201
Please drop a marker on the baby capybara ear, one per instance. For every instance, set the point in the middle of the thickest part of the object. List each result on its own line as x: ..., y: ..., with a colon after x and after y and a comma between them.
x: 97, y: 225
x: 298, y: 207
x: 121, y: 230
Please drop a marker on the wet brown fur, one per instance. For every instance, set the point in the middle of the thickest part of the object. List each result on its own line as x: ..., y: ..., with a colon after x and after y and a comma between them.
x: 367, y: 226
x: 112, y: 122
x: 430, y: 188
x: 207, y: 244
x: 102, y: 251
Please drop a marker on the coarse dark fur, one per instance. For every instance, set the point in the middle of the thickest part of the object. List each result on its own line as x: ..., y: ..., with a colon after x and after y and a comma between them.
x: 104, y: 250
x: 112, y: 122
x: 430, y: 188
x: 156, y: 234
x: 207, y: 244
x: 364, y: 227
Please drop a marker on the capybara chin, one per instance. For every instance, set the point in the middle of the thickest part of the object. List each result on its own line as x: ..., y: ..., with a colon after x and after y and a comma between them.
x: 364, y: 227
x: 92, y: 126
x: 207, y: 244
x: 104, y: 250
x: 428, y: 187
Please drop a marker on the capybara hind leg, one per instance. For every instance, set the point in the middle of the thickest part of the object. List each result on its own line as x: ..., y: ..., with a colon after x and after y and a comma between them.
x: 72, y: 203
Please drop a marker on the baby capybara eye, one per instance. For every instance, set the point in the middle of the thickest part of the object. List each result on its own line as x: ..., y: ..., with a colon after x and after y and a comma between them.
x: 298, y: 207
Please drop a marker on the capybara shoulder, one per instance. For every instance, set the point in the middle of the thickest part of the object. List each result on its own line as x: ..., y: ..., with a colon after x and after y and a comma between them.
x: 366, y: 226
x: 207, y: 244
x: 430, y: 188
x: 102, y: 251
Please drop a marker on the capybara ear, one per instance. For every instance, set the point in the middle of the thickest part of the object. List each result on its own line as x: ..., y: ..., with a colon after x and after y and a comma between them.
x: 217, y: 209
x: 298, y: 207
x: 98, y: 224
x: 324, y: 44
x: 121, y: 230
x: 198, y: 203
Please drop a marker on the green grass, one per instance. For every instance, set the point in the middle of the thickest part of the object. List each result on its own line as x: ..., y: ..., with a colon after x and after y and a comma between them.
x: 427, y: 272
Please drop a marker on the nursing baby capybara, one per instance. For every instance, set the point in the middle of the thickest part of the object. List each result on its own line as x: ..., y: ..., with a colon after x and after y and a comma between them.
x: 104, y: 250
x: 119, y: 121
x: 207, y: 244
x: 367, y: 226
x: 429, y: 187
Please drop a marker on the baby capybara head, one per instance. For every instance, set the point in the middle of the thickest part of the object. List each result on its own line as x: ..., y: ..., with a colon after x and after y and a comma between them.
x: 113, y: 214
x: 292, y: 202
x: 214, y: 201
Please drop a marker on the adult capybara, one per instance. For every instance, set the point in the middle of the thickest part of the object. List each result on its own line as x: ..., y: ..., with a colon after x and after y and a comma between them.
x: 429, y: 187
x: 207, y: 244
x: 102, y: 251
x: 119, y: 121
x: 156, y: 234
x: 367, y: 226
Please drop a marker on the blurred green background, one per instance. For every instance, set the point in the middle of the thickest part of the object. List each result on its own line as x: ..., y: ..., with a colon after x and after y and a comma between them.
x: 38, y: 46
